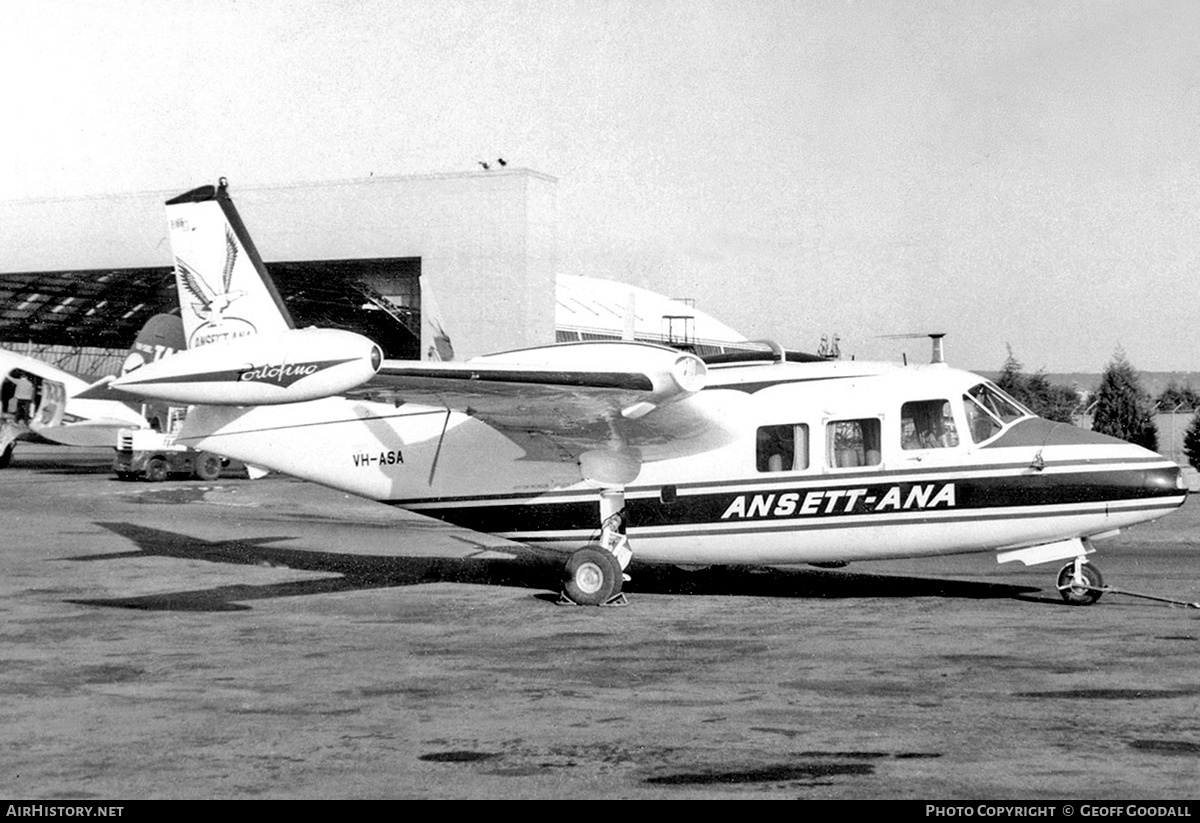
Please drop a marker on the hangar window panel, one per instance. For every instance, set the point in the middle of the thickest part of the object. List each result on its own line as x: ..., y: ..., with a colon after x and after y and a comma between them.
x: 105, y: 308
x: 853, y: 443
x: 378, y: 298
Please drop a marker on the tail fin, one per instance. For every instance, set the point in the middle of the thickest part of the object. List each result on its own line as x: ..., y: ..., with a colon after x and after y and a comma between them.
x: 224, y: 288
x: 161, y: 337
x: 435, y: 340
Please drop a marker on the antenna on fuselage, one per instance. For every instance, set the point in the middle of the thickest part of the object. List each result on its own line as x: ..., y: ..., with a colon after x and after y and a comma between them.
x: 938, y: 355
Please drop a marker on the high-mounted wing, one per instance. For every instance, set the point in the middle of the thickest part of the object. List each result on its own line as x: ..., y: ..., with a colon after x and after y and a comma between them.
x: 569, y: 399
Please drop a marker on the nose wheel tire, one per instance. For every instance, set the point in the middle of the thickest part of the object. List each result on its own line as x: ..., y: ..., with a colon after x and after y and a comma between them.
x: 593, y: 577
x: 1073, y: 592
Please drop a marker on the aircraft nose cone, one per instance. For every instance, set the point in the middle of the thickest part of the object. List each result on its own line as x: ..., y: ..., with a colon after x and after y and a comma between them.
x: 1168, y: 480
x: 1125, y: 468
x: 1160, y: 479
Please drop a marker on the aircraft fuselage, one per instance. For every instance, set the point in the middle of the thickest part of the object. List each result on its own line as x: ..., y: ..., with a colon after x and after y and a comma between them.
x: 826, y: 462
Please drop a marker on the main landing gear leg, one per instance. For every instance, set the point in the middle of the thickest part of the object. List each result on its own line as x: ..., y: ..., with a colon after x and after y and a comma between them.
x: 8, y: 440
x: 1080, y: 583
x: 596, y: 573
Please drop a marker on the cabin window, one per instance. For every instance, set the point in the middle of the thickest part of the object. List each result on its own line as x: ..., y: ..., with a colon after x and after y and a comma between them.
x: 927, y: 424
x: 853, y: 443
x: 783, y: 448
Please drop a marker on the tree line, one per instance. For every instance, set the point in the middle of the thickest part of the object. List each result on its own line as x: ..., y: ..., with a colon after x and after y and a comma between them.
x: 1120, y: 407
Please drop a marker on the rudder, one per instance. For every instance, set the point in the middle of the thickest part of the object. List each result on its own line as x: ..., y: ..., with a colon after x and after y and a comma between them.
x: 224, y: 288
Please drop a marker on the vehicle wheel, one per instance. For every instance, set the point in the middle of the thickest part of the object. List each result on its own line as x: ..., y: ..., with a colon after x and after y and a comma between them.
x: 593, y: 577
x: 6, y: 455
x: 157, y: 470
x: 1077, y: 595
x: 206, y: 466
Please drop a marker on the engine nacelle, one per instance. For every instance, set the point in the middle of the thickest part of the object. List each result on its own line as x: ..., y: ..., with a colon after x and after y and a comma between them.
x: 288, y: 367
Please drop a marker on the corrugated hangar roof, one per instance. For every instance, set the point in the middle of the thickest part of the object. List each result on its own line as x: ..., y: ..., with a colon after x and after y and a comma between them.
x: 106, y: 308
x: 103, y: 308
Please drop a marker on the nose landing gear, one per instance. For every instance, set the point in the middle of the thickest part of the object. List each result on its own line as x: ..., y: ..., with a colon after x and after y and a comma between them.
x: 1080, y: 583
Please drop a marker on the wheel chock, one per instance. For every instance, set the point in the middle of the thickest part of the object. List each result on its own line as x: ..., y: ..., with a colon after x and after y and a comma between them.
x: 617, y: 599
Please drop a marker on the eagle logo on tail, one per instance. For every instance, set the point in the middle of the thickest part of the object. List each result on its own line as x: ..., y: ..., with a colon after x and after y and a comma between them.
x: 212, y: 304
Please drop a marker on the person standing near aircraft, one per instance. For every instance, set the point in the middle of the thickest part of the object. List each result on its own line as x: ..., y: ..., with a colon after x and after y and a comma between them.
x: 38, y: 400
x: 22, y: 399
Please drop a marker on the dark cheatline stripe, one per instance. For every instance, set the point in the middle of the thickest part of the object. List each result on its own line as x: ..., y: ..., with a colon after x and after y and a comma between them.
x: 627, y: 381
x: 783, y: 506
x: 232, y: 375
x: 757, y: 386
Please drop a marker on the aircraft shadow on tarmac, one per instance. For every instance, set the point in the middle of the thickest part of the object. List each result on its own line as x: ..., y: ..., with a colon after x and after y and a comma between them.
x: 360, y: 572
x: 67, y: 470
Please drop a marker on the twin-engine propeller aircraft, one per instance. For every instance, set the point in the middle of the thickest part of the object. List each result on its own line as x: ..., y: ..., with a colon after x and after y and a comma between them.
x: 39, y: 401
x: 603, y: 451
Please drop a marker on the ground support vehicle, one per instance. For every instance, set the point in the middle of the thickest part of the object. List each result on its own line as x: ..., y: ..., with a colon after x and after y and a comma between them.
x: 153, y: 455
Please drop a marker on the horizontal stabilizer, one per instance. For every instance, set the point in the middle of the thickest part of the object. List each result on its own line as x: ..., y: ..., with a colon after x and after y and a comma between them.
x: 288, y: 367
x: 101, y: 390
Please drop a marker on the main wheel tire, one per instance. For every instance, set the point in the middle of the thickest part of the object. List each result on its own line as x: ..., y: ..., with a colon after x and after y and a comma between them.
x: 157, y: 470
x: 593, y: 577
x: 6, y: 455
x: 206, y: 466
x: 1079, y: 595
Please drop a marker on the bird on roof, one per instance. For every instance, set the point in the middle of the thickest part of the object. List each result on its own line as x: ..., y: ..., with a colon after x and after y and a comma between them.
x: 502, y: 162
x: 485, y: 165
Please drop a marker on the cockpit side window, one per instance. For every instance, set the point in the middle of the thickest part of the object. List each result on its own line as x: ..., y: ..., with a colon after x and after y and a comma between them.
x: 782, y: 448
x: 990, y: 410
x: 980, y: 422
x: 927, y: 424
x: 998, y: 403
x: 853, y: 443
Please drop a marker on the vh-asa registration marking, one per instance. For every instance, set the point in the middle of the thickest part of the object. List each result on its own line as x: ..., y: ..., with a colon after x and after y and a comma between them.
x: 388, y: 457
x: 900, y: 497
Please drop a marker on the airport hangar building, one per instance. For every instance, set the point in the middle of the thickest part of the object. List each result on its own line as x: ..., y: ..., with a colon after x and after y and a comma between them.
x: 384, y: 256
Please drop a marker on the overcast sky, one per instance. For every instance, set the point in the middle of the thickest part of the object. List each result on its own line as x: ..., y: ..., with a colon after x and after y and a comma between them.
x: 1023, y: 173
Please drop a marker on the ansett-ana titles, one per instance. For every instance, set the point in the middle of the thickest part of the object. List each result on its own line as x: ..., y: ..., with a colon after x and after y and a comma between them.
x: 819, y: 502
